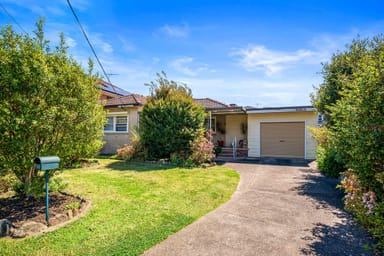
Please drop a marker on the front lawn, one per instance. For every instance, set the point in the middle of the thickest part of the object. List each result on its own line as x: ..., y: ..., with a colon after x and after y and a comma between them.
x: 134, y: 206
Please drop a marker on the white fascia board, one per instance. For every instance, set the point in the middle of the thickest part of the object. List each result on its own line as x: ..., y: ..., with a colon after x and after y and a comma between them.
x: 282, y: 110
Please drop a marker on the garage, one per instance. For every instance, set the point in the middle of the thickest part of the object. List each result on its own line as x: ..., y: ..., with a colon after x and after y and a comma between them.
x: 282, y: 139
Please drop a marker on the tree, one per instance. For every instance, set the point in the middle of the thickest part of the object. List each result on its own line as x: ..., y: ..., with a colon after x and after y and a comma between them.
x: 354, y: 100
x: 48, y: 104
x: 170, y: 120
x: 336, y: 76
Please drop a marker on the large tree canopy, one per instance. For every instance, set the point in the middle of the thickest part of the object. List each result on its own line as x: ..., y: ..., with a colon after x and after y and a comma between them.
x: 337, y: 76
x: 48, y: 104
x: 170, y: 120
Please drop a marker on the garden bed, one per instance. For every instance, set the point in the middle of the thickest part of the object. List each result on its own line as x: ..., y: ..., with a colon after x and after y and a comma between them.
x: 26, y: 216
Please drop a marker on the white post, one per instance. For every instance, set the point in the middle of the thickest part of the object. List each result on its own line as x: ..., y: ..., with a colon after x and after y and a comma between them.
x: 210, y: 126
x: 234, y: 148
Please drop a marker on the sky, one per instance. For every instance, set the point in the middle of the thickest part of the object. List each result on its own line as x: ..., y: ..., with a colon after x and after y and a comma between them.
x: 265, y: 53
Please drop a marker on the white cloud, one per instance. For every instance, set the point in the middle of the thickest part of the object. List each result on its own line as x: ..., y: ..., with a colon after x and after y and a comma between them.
x: 188, y: 66
x: 175, y: 31
x: 70, y: 42
x: 180, y: 65
x: 96, y: 40
x: 254, y: 58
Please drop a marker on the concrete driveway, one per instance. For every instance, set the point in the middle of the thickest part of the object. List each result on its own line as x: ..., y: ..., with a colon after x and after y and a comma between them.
x: 276, y: 210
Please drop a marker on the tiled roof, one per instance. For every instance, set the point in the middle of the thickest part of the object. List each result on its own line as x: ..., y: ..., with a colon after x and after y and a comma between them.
x: 131, y: 99
x: 208, y: 103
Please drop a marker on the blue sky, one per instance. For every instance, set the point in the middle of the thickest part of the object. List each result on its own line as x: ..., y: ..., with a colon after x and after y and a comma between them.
x: 255, y: 53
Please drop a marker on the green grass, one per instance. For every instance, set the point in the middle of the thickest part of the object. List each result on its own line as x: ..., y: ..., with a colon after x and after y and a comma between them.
x: 134, y: 206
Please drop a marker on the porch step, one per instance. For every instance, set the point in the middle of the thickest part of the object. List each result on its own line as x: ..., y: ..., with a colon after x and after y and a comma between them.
x: 228, y: 153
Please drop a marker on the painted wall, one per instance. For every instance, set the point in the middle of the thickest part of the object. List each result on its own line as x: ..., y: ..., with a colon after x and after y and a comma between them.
x: 112, y: 140
x: 220, y: 126
x: 254, y: 120
x: 233, y: 128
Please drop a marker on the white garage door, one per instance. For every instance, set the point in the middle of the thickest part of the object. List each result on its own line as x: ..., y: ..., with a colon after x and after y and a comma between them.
x: 285, y: 139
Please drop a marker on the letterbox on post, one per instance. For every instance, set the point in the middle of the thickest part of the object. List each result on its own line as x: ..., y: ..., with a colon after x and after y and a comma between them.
x: 46, y: 163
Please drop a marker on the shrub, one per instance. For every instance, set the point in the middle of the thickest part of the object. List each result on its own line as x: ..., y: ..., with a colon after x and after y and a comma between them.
x: 352, y: 98
x: 327, y: 162
x: 170, y: 119
x: 7, y: 182
x: 48, y: 105
x: 365, y: 207
x: 36, y: 189
x: 327, y: 158
x: 126, y: 152
x: 202, y: 149
x: 218, y: 150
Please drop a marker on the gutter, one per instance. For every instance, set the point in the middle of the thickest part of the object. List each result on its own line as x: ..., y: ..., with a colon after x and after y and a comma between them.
x: 281, y: 109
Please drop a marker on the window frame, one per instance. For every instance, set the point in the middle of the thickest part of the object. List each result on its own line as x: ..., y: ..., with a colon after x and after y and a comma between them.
x: 115, y: 124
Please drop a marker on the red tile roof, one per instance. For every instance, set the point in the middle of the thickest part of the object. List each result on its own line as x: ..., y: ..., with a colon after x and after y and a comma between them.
x: 208, y: 103
x: 131, y: 99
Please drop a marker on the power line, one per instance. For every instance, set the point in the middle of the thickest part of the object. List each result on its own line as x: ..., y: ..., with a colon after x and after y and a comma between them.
x: 14, y: 20
x: 89, y: 43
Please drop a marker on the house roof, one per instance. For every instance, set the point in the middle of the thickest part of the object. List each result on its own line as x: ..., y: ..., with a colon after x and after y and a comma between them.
x: 131, y: 100
x: 108, y: 87
x: 281, y: 109
x: 218, y: 107
x: 209, y: 103
x: 110, y: 94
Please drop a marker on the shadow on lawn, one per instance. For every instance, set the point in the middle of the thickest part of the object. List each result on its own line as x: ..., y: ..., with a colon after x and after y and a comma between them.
x: 345, y: 238
x: 139, y: 166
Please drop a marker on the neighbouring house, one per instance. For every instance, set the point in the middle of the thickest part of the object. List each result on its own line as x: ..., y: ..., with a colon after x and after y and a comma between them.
x: 123, y: 115
x: 240, y: 132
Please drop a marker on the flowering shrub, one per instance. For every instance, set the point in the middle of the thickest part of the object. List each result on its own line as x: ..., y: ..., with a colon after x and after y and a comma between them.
x: 365, y: 207
x: 125, y: 153
x: 356, y: 200
x: 202, y: 149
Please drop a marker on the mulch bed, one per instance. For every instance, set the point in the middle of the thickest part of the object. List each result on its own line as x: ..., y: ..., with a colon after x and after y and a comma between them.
x: 21, y: 210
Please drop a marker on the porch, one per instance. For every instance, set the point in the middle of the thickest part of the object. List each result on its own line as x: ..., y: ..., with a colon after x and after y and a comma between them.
x: 229, y: 127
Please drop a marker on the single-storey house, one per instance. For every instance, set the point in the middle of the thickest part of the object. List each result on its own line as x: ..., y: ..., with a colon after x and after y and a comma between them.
x: 241, y: 132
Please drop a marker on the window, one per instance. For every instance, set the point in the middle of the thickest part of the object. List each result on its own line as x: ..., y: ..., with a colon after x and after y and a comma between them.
x: 320, y: 119
x: 121, y: 124
x: 116, y: 124
x: 213, y: 124
x: 109, y: 125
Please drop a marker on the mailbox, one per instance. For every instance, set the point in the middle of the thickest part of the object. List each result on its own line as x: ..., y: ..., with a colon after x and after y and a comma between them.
x: 45, y: 163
